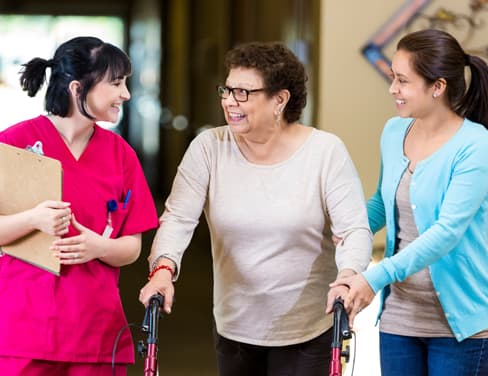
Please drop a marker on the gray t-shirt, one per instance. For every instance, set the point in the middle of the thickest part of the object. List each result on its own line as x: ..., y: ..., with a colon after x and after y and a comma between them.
x: 412, y: 308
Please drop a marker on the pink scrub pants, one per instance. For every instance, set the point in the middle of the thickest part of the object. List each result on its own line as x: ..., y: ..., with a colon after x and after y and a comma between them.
x: 11, y: 366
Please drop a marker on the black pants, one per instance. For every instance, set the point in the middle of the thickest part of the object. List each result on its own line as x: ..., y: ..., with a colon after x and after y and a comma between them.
x: 310, y: 358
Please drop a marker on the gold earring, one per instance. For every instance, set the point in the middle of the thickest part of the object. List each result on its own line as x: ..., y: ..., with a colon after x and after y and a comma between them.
x: 278, y: 118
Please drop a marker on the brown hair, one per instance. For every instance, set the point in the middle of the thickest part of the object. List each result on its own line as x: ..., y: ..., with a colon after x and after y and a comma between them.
x: 279, y: 68
x: 85, y: 59
x: 437, y: 54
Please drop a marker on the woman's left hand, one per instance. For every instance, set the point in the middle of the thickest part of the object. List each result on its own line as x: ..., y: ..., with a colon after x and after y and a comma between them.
x: 360, y: 294
x: 78, y: 249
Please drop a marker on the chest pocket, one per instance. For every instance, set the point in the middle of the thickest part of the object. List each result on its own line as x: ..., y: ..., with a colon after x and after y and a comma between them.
x: 116, y: 219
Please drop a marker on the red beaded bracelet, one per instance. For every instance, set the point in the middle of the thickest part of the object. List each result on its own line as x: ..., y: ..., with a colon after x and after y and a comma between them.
x: 166, y: 267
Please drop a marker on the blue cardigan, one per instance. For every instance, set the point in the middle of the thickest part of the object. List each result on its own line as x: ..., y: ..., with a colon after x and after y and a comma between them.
x: 449, y: 198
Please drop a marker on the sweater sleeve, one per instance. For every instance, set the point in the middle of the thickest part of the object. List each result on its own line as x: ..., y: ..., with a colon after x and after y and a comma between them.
x: 183, y: 207
x: 347, y: 211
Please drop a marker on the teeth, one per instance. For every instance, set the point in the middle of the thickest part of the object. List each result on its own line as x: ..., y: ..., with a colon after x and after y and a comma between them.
x: 399, y: 101
x: 235, y: 115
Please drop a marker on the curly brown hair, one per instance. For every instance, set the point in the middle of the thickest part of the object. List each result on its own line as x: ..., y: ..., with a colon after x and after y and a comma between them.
x: 279, y: 68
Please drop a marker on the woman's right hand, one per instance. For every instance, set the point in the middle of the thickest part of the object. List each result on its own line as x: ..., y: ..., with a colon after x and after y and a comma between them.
x: 52, y: 217
x: 160, y: 283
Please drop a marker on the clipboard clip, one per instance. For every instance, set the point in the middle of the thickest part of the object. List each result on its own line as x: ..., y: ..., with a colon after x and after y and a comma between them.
x: 36, y: 148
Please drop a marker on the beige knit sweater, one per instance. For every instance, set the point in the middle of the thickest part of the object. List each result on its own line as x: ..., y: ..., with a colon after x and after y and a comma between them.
x: 270, y: 228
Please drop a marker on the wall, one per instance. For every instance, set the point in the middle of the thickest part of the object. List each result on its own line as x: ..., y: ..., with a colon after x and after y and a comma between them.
x: 353, y: 98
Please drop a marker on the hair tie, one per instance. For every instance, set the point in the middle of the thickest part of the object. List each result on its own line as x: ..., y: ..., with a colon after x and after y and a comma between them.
x: 467, y: 59
x: 49, y: 63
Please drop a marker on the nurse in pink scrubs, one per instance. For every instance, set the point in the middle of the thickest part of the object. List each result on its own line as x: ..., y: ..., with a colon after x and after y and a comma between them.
x: 67, y: 324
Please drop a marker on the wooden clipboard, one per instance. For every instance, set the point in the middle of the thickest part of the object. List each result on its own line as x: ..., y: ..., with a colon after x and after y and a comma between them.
x: 26, y: 179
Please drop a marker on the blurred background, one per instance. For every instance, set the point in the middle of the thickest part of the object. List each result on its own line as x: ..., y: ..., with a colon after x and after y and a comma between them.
x: 177, y: 49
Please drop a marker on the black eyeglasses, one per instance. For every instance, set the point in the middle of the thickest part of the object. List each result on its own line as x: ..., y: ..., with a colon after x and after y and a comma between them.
x: 239, y: 94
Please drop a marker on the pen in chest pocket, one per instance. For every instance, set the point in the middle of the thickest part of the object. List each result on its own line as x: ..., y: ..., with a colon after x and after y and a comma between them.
x: 126, y: 200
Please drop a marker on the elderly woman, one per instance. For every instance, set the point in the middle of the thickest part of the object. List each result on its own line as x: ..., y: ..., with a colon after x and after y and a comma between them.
x: 274, y: 192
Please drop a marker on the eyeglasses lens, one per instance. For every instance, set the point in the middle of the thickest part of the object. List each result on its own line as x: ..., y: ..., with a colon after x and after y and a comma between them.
x: 240, y: 95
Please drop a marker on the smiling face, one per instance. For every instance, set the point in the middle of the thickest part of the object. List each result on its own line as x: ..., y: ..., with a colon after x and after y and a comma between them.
x: 105, y: 99
x: 257, y: 113
x: 413, y: 96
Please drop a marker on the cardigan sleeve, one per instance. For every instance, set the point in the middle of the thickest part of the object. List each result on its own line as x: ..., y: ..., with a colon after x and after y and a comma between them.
x: 464, y: 199
x: 376, y: 207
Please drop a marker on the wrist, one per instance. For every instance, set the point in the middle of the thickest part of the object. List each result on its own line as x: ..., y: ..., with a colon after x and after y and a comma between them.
x: 31, y: 219
x: 344, y: 273
x: 159, y: 268
x: 160, y: 260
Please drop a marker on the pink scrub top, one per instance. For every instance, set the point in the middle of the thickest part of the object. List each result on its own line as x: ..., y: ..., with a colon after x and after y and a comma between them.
x: 75, y: 317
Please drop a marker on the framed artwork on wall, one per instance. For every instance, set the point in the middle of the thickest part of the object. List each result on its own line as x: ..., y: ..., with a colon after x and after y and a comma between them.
x: 468, y: 25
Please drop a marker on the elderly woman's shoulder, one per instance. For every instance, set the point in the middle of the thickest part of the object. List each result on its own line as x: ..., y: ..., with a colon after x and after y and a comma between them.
x: 324, y: 135
x: 213, y: 133
x: 211, y: 136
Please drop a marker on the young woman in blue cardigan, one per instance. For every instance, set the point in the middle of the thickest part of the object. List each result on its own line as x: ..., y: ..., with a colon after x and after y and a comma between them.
x: 432, y: 197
